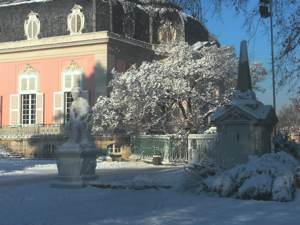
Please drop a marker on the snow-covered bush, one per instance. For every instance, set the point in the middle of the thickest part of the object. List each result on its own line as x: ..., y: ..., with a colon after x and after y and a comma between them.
x: 223, y: 185
x: 195, y: 175
x: 269, y: 177
x: 170, y: 95
x: 297, y: 177
x: 284, y: 188
x: 256, y: 187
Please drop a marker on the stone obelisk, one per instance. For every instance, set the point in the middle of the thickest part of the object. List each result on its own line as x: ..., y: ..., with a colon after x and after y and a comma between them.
x: 244, y: 78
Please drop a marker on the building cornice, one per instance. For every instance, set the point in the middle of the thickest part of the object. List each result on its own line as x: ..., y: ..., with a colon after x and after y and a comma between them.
x: 101, y: 37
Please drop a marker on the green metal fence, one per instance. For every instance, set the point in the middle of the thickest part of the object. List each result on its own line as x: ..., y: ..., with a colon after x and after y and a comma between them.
x: 170, y: 148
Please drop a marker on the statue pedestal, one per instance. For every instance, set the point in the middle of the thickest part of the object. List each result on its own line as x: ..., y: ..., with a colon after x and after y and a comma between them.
x: 76, y: 165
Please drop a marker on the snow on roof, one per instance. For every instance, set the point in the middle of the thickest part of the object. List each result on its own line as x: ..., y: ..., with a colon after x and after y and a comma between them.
x: 247, y: 103
x: 4, y: 3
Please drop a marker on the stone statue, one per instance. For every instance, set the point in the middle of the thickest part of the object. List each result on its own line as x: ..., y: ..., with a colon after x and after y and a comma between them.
x: 76, y: 159
x: 79, y: 112
x: 167, y: 33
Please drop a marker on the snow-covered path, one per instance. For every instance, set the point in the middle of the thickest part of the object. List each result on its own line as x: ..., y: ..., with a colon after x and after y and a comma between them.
x: 38, y: 204
x: 34, y: 202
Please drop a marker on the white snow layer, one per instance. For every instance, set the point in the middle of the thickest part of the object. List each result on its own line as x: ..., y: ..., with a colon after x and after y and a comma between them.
x: 33, y: 201
x: 269, y: 177
x: 20, y: 2
x: 36, y: 203
x: 10, y: 167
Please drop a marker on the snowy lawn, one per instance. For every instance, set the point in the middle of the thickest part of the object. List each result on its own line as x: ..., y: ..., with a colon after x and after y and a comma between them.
x: 13, y: 166
x: 40, y: 205
x: 36, y: 203
x: 18, y: 171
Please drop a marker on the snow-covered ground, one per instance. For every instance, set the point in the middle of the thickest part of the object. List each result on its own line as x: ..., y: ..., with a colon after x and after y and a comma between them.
x: 12, y: 166
x: 26, y: 198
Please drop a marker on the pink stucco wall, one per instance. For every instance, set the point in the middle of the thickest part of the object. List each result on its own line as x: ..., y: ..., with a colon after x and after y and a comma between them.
x: 50, y: 72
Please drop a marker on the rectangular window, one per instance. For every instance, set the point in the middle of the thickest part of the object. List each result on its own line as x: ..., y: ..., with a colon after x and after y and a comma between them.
x: 28, y: 109
x: 67, y: 105
x: 114, y: 149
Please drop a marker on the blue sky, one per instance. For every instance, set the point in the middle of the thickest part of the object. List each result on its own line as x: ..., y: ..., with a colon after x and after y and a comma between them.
x: 229, y: 30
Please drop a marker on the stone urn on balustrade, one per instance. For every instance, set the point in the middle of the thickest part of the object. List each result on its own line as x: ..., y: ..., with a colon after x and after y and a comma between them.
x: 76, y: 159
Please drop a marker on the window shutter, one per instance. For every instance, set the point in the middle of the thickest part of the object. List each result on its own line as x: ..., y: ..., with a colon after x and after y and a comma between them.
x: 14, y: 110
x: 58, y: 107
x: 39, y: 108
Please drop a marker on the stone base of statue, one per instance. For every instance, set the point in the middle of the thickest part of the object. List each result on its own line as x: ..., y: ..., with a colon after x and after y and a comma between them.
x: 76, y: 164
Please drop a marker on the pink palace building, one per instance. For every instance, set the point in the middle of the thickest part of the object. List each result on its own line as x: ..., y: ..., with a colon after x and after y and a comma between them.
x: 47, y: 47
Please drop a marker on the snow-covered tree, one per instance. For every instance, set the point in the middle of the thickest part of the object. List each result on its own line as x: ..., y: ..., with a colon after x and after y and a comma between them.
x: 289, y: 115
x: 286, y: 19
x: 171, y: 95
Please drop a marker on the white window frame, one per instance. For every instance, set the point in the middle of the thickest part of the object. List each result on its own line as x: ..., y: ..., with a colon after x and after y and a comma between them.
x: 114, y: 149
x: 28, y: 73
x: 73, y: 74
x: 32, y: 18
x: 73, y: 71
x: 28, y: 77
x: 76, y: 11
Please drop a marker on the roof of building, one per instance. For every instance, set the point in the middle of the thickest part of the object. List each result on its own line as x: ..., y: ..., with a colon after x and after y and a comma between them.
x: 146, y: 2
x: 251, y: 107
x: 19, y: 2
x: 157, y: 2
x: 188, y: 27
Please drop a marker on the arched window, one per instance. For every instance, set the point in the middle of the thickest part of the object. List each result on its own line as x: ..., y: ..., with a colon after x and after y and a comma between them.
x: 28, y: 91
x: 26, y: 107
x: 76, y: 20
x: 167, y: 33
x: 32, y: 26
x: 28, y: 83
x: 72, y: 77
